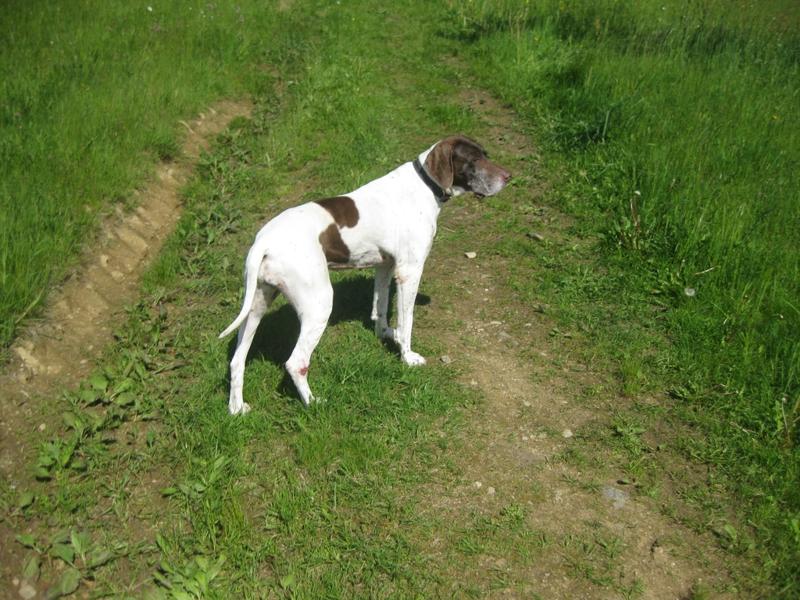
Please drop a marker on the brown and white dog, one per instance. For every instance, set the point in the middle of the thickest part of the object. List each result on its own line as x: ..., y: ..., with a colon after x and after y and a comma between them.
x: 389, y: 224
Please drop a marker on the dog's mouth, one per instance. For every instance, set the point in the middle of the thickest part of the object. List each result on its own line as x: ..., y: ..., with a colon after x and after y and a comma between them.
x: 479, y: 196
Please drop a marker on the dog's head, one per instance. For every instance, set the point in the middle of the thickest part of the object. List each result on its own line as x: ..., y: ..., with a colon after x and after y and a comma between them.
x: 459, y: 164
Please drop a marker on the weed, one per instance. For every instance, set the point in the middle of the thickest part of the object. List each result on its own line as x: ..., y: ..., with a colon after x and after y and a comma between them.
x: 194, y: 579
x: 79, y: 555
x: 211, y: 472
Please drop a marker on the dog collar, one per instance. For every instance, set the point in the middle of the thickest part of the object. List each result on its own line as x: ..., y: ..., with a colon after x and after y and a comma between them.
x: 441, y: 195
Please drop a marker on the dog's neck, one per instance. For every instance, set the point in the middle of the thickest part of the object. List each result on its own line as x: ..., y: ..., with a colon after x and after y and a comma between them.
x: 441, y: 194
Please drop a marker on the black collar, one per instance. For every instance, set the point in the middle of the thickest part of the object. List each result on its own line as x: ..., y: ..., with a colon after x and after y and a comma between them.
x: 441, y: 195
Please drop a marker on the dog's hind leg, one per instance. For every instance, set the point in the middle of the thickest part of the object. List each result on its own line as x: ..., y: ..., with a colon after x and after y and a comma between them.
x: 263, y: 298
x: 313, y: 305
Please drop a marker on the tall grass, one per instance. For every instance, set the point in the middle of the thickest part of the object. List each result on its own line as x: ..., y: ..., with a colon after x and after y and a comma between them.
x: 680, y: 126
x: 90, y: 96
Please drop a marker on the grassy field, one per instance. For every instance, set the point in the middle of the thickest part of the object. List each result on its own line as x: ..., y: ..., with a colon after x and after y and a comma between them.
x: 668, y: 149
x: 678, y: 131
x: 90, y: 95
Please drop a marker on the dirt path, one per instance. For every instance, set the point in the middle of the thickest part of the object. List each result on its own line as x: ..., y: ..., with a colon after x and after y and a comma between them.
x: 597, y: 528
x: 58, y: 349
x: 599, y: 537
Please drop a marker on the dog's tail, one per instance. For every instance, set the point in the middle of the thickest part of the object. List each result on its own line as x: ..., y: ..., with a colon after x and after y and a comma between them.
x: 252, y: 265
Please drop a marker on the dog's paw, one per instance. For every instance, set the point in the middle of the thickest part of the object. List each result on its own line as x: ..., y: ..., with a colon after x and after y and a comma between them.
x: 316, y: 400
x: 242, y: 410
x: 413, y: 359
x: 308, y: 399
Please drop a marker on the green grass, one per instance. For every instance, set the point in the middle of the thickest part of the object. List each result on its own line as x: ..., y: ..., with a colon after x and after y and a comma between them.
x: 165, y: 485
x: 674, y: 129
x: 90, y: 97
x: 149, y: 487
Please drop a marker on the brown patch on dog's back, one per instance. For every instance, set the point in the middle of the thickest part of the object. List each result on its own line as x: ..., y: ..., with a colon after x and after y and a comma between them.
x: 342, y: 209
x: 336, y: 251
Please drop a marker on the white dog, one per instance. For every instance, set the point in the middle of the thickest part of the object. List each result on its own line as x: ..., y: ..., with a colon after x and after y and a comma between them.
x: 389, y: 224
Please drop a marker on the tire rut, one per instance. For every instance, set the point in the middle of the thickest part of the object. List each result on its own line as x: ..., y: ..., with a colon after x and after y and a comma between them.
x: 58, y: 349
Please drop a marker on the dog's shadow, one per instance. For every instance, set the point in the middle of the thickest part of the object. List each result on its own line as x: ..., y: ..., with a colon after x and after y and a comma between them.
x: 277, y: 333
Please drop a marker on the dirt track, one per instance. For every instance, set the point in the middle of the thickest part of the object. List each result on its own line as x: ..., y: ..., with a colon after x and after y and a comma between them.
x: 510, y: 446
x: 58, y: 349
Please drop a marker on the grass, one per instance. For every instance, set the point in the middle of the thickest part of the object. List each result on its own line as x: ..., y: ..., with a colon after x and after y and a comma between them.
x: 674, y: 131
x: 182, y: 500
x: 91, y: 95
x: 149, y: 489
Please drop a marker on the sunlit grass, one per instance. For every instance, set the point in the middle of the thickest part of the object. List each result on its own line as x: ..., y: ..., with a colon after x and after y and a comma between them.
x: 90, y: 97
x: 678, y: 127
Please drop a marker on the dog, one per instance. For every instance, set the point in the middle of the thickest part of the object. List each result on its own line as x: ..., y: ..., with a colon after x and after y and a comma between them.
x: 388, y: 223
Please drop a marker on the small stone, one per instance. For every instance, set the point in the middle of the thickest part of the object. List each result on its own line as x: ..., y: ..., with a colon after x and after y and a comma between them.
x: 617, y: 496
x: 15, y: 581
x: 473, y: 383
x: 470, y: 254
x: 445, y: 359
x: 490, y: 490
x: 535, y: 236
x: 567, y: 433
x: 524, y: 438
x: 526, y: 404
x: 27, y: 591
x: 507, y: 338
x: 477, y: 485
x: 42, y: 426
x: 495, y: 323
x: 690, y: 292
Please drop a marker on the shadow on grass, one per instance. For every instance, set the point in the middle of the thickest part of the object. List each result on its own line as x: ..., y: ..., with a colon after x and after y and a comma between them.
x: 277, y: 333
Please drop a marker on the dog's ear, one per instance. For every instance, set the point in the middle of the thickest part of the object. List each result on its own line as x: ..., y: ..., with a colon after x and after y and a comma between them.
x: 439, y: 164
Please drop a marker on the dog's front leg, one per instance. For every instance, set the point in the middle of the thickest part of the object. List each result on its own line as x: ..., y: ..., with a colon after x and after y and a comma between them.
x: 407, y: 278
x: 380, y: 301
